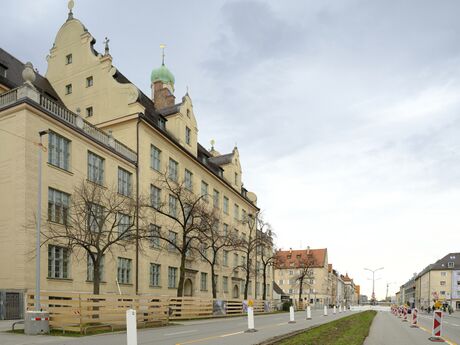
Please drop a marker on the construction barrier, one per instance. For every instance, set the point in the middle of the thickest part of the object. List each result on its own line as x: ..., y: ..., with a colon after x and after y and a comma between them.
x: 437, y: 326
x: 414, y: 318
x: 404, y: 314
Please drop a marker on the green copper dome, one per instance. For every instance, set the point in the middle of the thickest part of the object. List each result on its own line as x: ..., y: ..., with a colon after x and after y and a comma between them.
x: 162, y: 74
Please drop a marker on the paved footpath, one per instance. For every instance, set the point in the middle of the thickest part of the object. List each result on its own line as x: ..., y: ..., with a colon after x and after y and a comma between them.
x: 229, y: 331
x: 388, y: 329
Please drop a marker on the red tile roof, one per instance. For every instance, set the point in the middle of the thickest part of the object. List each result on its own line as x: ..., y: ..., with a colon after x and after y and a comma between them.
x: 299, y: 258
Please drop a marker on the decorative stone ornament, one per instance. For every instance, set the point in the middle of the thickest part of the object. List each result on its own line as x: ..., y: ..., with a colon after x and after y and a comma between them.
x: 70, y: 6
x: 28, y: 74
x: 111, y: 139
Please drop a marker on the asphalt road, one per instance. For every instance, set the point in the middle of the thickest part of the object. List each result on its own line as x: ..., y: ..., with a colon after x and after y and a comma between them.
x: 228, y: 331
x: 388, y: 329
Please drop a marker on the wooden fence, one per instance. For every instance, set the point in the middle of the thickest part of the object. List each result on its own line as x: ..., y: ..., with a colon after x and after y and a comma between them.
x: 77, y: 312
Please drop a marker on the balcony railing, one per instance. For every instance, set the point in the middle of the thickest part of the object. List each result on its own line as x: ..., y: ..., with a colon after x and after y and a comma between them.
x: 73, y: 120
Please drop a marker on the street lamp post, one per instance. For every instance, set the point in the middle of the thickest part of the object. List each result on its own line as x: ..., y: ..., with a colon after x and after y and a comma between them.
x: 373, y: 281
x: 39, y: 221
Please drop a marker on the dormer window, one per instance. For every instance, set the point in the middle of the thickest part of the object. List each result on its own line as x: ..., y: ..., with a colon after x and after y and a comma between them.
x: 162, y: 123
x: 68, y: 89
x: 450, y: 264
x: 3, y: 70
x: 68, y: 59
x: 188, y: 135
x: 89, y: 81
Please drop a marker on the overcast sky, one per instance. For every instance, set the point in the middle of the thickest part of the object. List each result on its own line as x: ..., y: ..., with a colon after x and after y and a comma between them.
x: 346, y: 113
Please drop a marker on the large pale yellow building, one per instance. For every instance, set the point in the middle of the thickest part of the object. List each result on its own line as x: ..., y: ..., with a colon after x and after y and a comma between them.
x: 102, y: 128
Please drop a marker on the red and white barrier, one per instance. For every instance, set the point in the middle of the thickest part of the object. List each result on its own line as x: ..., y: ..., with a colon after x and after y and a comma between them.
x: 437, y: 326
x: 414, y: 318
x: 405, y: 314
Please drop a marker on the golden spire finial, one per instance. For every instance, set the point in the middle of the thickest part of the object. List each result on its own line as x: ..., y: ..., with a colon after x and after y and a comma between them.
x: 162, y: 47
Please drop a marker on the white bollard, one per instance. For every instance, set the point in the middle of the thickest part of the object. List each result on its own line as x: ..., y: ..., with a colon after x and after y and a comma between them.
x: 340, y: 309
x: 131, y: 327
x: 308, y: 312
x: 325, y: 311
x: 334, y: 310
x: 251, y: 320
x: 291, y: 315
x: 344, y: 308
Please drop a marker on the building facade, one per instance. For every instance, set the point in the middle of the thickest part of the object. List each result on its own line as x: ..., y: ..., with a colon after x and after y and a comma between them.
x: 101, y: 128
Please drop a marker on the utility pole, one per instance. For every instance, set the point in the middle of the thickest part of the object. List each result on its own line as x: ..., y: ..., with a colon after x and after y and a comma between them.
x: 373, y: 281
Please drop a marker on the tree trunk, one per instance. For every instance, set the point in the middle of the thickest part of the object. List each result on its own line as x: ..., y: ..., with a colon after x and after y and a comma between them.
x: 96, y: 278
x: 248, y: 274
x: 300, y: 289
x: 264, y: 294
x: 180, y: 287
x: 213, y: 282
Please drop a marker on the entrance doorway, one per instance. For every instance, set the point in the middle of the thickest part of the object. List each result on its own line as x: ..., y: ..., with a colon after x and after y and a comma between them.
x: 188, y: 288
x: 12, y: 306
x: 236, y: 291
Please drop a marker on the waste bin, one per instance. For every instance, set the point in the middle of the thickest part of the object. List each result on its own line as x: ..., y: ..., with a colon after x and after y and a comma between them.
x: 36, y: 322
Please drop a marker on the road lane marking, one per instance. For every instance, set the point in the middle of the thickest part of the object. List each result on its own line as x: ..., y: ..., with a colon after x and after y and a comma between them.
x: 454, y: 324
x: 281, y: 324
x: 229, y: 334
x: 182, y: 332
x: 447, y: 340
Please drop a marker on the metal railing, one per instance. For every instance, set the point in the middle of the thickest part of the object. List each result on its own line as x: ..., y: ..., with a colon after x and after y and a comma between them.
x: 74, y: 121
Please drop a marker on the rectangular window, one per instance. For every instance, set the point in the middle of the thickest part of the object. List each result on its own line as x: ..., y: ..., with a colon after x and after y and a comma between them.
x: 58, y: 206
x: 124, y: 182
x: 90, y: 269
x: 243, y: 261
x: 188, y: 177
x: 172, y: 236
x: 225, y: 258
x: 95, y: 168
x: 68, y: 59
x: 442, y: 293
x: 244, y: 215
x: 58, y: 262
x: 188, y: 135
x: 215, y: 198
x: 443, y: 274
x: 155, y: 196
x: 124, y: 223
x: 225, y: 230
x: 235, y: 260
x: 173, y: 169
x: 155, y: 158
x: 204, y: 190
x: 172, y: 205
x: 236, y: 212
x: 95, y: 217
x: 124, y: 271
x: 225, y: 283
x: 225, y: 205
x: 58, y: 151
x: 450, y: 264
x: 443, y: 282
x: 89, y: 111
x: 68, y: 89
x: 155, y: 275
x: 204, y: 281
x: 172, y: 277
x: 155, y: 232
x: 3, y: 70
x: 89, y: 81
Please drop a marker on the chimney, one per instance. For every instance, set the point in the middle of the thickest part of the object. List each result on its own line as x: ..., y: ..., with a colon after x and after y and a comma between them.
x: 290, y: 250
x: 162, y: 96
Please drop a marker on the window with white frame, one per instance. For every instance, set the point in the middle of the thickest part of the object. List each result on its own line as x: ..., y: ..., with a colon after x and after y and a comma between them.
x: 443, y: 274
x: 188, y: 177
x: 90, y: 268
x: 95, y: 168
x: 172, y: 205
x: 58, y: 206
x: 124, y: 182
x: 225, y: 205
x: 155, y: 274
x: 204, y: 190
x: 172, y: 237
x: 155, y: 157
x: 155, y: 196
x: 188, y: 135
x: 450, y: 264
x: 225, y: 258
x: 155, y: 232
x: 95, y: 217
x: 124, y: 223
x: 173, y: 169
x: 172, y: 277
x: 124, y: 270
x: 204, y: 281
x: 58, y: 151
x: 215, y: 198
x: 58, y: 262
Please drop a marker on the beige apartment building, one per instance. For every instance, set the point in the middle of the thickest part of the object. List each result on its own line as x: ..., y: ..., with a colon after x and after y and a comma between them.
x: 103, y: 129
x: 439, y: 281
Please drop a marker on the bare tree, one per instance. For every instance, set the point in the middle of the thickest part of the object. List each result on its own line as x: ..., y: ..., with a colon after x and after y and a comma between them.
x: 212, y: 240
x: 305, y: 265
x: 185, y: 214
x: 266, y: 255
x: 97, y: 219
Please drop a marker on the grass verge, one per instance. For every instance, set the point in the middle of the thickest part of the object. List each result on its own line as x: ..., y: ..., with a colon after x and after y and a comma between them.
x: 350, y: 330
